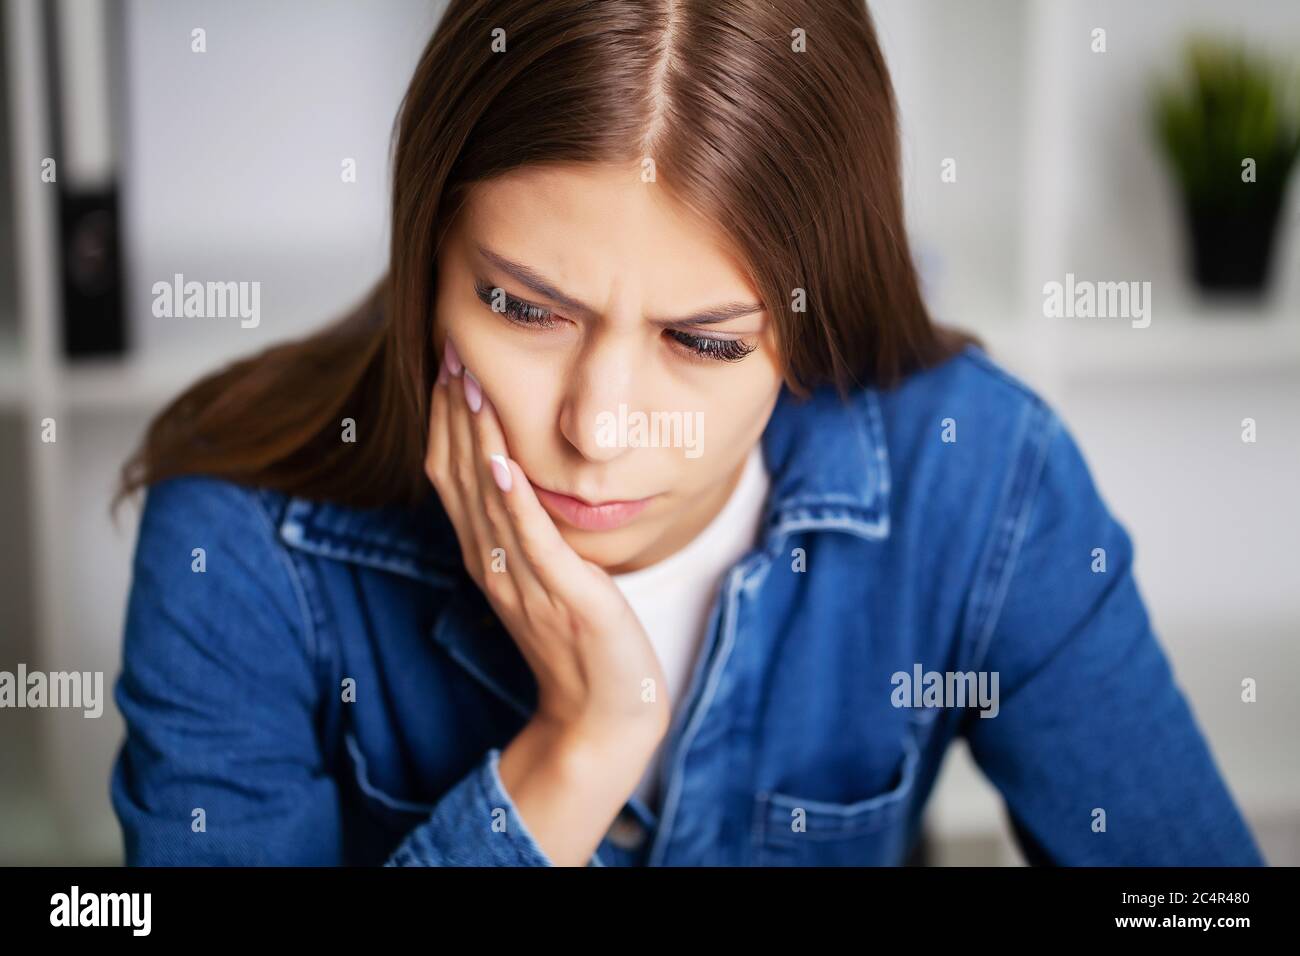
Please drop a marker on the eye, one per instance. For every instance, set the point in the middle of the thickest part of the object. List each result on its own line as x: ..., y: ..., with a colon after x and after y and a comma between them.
x: 514, y: 309
x: 711, y: 349
x: 520, y: 312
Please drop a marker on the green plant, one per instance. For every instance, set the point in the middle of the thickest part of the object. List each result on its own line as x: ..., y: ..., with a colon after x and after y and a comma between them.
x: 1231, y: 105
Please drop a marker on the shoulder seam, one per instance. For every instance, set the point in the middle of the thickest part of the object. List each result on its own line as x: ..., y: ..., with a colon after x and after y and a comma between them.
x: 1015, y: 525
x: 309, y: 628
x: 978, y: 356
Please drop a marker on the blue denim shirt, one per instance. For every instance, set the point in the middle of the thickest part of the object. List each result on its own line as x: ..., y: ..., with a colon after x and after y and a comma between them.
x: 332, y: 688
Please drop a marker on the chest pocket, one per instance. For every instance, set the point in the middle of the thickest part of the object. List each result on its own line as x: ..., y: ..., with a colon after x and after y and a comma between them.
x: 387, y: 810
x: 791, y: 831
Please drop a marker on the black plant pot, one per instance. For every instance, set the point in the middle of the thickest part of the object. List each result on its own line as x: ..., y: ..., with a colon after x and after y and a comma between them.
x: 1232, y: 245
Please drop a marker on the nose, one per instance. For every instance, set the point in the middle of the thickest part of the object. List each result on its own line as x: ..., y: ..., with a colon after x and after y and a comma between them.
x: 602, y: 378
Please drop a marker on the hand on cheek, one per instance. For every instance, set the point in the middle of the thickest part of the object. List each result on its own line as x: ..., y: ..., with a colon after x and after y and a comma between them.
x: 569, y: 619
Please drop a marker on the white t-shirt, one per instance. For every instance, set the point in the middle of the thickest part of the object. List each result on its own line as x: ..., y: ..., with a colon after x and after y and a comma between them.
x: 673, y: 599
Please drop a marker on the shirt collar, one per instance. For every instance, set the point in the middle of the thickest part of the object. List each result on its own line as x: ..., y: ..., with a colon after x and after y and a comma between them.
x: 826, y: 458
x: 829, y: 464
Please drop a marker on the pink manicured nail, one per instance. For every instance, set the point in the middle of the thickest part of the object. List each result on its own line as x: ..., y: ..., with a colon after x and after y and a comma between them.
x: 501, y: 472
x: 473, y: 394
x: 443, y: 374
x: 449, y: 352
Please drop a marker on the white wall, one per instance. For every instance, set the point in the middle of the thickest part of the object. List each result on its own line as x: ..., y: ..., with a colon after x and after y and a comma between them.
x: 232, y: 168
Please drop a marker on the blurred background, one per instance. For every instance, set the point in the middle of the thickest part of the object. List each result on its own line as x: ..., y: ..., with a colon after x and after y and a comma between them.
x: 1037, y: 145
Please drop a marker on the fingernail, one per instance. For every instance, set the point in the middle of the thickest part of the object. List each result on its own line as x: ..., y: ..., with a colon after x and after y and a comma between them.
x: 453, y: 359
x: 473, y: 394
x: 442, y: 372
x: 500, y: 472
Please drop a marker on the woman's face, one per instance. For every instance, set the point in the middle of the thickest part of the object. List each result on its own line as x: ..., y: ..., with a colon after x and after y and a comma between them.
x: 605, y: 391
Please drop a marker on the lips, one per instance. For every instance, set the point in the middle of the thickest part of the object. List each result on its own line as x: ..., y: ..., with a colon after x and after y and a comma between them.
x: 590, y: 517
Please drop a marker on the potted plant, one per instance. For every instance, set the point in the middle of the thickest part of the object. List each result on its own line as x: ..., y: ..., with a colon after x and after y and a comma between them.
x: 1230, y: 131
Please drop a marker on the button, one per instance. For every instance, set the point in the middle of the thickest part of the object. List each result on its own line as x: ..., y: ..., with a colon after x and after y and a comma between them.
x: 626, y: 832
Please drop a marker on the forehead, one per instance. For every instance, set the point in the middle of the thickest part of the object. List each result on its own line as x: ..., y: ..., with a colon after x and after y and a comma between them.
x: 598, y: 229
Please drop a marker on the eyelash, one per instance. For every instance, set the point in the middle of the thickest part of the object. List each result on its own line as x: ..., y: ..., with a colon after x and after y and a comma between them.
x: 702, y: 347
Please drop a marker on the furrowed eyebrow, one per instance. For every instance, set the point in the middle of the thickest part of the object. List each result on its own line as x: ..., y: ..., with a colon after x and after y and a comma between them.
x: 539, y: 284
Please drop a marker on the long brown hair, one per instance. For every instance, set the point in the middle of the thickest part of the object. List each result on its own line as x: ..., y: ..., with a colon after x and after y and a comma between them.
x: 776, y: 121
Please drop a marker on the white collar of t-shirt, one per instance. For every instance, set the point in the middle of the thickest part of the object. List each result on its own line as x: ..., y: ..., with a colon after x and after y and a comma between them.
x: 674, y: 597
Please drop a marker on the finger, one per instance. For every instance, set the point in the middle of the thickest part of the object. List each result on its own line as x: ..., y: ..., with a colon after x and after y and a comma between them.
x: 467, y: 475
x: 438, y: 468
x: 435, y: 456
x: 552, y: 566
x: 556, y: 565
x: 489, y: 442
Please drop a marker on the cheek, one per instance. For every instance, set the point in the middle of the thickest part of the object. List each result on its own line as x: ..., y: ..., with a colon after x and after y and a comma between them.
x: 522, y: 420
x: 523, y: 394
x: 732, y: 420
x: 739, y: 414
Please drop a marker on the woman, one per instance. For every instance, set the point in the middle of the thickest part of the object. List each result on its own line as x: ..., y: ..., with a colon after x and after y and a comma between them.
x: 642, y: 515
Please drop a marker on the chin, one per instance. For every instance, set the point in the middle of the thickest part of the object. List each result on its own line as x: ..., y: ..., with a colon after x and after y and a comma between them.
x: 606, y: 549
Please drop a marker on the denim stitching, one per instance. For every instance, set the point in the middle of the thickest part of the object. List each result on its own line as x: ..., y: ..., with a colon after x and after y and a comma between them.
x: 492, y: 794
x: 1016, y: 531
x: 369, y: 789
x: 304, y: 607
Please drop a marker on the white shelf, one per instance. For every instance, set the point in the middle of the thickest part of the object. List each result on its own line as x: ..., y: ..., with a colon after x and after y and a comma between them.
x: 13, y: 380
x: 1191, y: 342
x: 141, y: 383
x: 1229, y: 342
x: 133, y: 385
x: 1195, y: 340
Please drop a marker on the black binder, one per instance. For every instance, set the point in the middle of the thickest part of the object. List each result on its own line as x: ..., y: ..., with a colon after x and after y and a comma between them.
x: 90, y: 261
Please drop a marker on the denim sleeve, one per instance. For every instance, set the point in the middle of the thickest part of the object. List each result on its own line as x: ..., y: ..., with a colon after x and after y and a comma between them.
x: 474, y: 824
x: 222, y: 762
x: 1094, y: 747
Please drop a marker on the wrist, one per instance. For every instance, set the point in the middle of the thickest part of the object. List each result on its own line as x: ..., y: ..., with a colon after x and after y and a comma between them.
x: 617, y: 750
